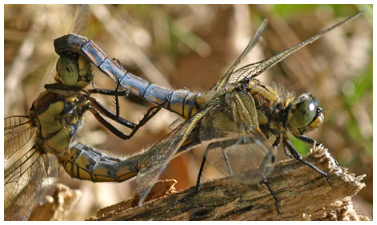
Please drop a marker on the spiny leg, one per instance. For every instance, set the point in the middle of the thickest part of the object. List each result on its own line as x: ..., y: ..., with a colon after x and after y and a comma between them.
x: 117, y: 100
x: 311, y: 141
x: 147, y: 116
x: 100, y: 109
x: 265, y: 182
x: 220, y: 144
x: 275, y: 146
x: 96, y: 108
x: 297, y: 156
x: 115, y: 93
x: 198, y: 184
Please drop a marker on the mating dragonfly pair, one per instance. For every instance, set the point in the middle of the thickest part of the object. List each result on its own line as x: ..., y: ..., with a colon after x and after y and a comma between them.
x: 235, y: 118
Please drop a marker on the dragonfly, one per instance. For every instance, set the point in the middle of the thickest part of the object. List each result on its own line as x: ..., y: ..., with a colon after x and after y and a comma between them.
x: 236, y: 118
x: 34, y: 143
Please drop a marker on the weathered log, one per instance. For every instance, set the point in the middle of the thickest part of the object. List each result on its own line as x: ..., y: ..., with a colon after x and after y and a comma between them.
x: 303, y: 194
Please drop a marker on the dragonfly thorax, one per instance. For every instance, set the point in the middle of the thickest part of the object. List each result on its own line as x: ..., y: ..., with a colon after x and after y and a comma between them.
x: 279, y: 111
x: 57, y: 119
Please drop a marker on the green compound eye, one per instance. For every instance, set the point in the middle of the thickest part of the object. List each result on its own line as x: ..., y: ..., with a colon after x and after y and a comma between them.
x: 305, y: 112
x: 67, y: 70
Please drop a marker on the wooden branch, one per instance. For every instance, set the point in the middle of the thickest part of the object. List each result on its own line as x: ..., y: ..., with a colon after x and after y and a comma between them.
x: 303, y: 194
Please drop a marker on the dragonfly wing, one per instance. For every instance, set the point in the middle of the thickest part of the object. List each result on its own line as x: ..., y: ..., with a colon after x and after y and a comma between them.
x: 155, y: 159
x: 27, y: 182
x: 243, y: 72
x: 81, y: 20
x: 248, y: 157
x: 225, y: 79
x: 236, y: 144
x: 254, y: 71
x: 18, y: 132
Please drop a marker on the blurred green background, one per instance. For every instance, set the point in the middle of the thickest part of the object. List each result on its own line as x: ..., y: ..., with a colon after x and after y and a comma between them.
x: 191, y: 46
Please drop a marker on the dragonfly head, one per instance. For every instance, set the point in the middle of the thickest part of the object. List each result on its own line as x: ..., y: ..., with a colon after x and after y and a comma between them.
x: 305, y: 114
x: 74, y: 71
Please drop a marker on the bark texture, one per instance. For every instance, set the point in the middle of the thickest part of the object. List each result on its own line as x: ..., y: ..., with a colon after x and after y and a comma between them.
x: 303, y: 194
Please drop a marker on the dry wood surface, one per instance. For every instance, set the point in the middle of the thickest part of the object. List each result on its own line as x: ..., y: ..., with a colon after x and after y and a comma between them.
x: 303, y: 194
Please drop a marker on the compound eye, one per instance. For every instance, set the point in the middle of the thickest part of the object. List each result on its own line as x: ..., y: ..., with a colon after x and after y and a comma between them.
x: 306, y: 111
x: 67, y: 70
x: 318, y: 120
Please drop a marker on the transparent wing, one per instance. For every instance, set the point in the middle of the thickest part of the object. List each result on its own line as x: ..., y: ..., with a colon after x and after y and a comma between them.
x: 81, y: 20
x: 225, y: 79
x: 236, y: 144
x: 155, y: 159
x: 18, y: 131
x: 255, y: 69
x: 27, y: 178
x: 243, y: 72
x: 248, y: 157
x: 27, y: 181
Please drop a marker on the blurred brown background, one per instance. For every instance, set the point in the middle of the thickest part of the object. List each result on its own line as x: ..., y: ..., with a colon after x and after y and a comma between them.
x: 191, y: 46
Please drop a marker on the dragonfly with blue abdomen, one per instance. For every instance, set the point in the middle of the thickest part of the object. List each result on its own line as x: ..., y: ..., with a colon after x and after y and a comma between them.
x: 236, y: 116
x: 34, y: 143
x: 166, y: 142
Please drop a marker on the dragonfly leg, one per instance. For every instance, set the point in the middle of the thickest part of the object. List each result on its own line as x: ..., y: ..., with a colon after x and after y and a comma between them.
x: 276, y: 143
x: 117, y: 100
x: 200, y: 173
x: 148, y: 115
x: 119, y: 64
x: 114, y: 130
x: 204, y: 159
x: 101, y: 109
x: 265, y: 182
x: 227, y: 143
x: 61, y: 87
x: 115, y: 93
x: 297, y: 156
x: 96, y: 109
x: 307, y: 139
x: 108, y: 92
x: 286, y: 151
x: 226, y: 159
x: 311, y: 141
